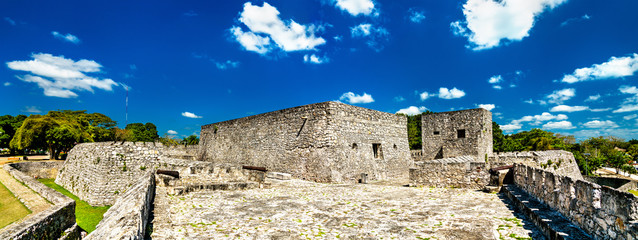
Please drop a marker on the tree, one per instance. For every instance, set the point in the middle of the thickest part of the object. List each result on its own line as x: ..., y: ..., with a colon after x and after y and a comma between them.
x: 190, y: 140
x: 414, y: 129
x: 618, y: 159
x: 498, y: 138
x: 9, y: 125
x: 54, y: 134
x: 167, y: 140
x: 122, y: 134
x: 143, y: 132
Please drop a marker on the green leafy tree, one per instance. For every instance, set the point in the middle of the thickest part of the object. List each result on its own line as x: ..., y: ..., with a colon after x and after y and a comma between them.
x: 618, y: 159
x: 190, y: 140
x: 498, y: 138
x: 167, y: 140
x: 51, y: 133
x: 414, y: 129
x: 9, y: 125
x: 143, y: 132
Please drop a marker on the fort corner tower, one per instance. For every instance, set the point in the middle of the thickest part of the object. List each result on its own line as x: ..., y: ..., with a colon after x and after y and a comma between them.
x: 457, y: 133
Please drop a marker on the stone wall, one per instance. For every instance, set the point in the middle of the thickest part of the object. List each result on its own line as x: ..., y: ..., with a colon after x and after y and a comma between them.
x: 557, y: 161
x: 324, y: 142
x: 459, y: 172
x: 603, y: 212
x: 44, y: 169
x: 457, y: 133
x: 100, y: 172
x: 128, y: 217
x: 48, y: 224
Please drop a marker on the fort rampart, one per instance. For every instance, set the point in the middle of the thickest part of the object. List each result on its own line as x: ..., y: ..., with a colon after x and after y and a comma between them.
x: 323, y: 142
x: 603, y: 212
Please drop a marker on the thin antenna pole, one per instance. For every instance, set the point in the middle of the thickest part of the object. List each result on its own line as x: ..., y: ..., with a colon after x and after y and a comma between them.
x: 126, y: 121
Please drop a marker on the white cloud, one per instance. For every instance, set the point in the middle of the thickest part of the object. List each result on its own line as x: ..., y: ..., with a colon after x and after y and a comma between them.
x: 450, y: 94
x: 315, y: 59
x: 58, y: 76
x: 6, y: 84
x: 31, y: 109
x: 488, y: 22
x: 399, y: 99
x: 559, y: 96
x: 68, y: 37
x: 599, y: 109
x: 374, y: 35
x: 530, y: 101
x: 565, y: 108
x: 616, y: 67
x: 171, y: 132
x: 487, y: 107
x: 226, y: 65
x: 354, y: 99
x: 630, y: 104
x: 593, y: 98
x: 510, y: 127
x: 412, y: 110
x: 538, y: 119
x: 576, y: 19
x: 600, y: 124
x: 495, y: 80
x: 10, y: 21
x: 629, y: 117
x: 265, y: 25
x: 558, y: 125
x: 444, y: 93
x: 356, y: 7
x: 415, y: 16
x: 190, y: 115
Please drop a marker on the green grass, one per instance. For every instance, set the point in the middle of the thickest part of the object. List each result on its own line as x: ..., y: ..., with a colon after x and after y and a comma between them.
x: 11, y: 209
x: 635, y: 192
x: 86, y: 215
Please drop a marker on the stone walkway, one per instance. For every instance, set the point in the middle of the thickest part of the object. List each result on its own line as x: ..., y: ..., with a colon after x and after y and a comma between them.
x: 28, y: 197
x: 305, y: 210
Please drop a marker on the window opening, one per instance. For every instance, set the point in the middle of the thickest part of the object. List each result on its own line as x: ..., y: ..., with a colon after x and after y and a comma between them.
x: 460, y: 133
x: 376, y: 149
x: 437, y: 133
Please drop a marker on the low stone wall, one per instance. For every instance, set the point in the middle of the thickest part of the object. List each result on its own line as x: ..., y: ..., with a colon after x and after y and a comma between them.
x: 461, y: 172
x: 45, y: 169
x: 128, y: 217
x: 48, y: 224
x: 556, y: 161
x: 603, y: 212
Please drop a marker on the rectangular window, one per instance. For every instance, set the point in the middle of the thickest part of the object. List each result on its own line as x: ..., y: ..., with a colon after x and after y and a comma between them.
x: 460, y: 133
x: 376, y: 148
x: 437, y: 133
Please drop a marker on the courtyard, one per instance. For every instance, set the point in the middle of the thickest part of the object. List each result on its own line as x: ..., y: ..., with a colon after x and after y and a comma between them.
x: 297, y: 209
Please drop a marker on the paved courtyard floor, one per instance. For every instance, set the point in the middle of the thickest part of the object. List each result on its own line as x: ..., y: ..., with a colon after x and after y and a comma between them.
x: 298, y: 209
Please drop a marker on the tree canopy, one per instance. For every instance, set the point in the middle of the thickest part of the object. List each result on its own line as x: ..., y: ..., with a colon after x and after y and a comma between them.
x: 414, y: 129
x: 8, y: 127
x: 143, y: 132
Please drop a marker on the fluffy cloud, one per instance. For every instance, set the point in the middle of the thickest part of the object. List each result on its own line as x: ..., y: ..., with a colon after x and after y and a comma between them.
x: 6, y: 84
x: 444, y: 93
x: 487, y: 107
x: 171, y: 132
x: 68, y: 37
x: 412, y: 110
x: 600, y: 124
x: 631, y: 103
x: 450, y: 94
x: 559, y: 96
x: 374, y: 35
x: 267, y: 31
x: 558, y: 125
x: 537, y: 120
x: 352, y: 98
x: 190, y: 115
x: 572, y: 20
x: 356, y: 7
x: 315, y: 59
x: 616, y: 67
x: 593, y: 98
x: 415, y: 16
x: 510, y: 127
x: 31, y: 109
x: 487, y: 22
x: 226, y: 65
x: 495, y: 81
x: 629, y: 117
x: 565, y: 108
x: 58, y: 76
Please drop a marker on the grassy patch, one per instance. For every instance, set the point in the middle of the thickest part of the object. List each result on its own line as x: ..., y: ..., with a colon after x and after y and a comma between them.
x: 635, y: 192
x: 11, y: 209
x: 86, y: 215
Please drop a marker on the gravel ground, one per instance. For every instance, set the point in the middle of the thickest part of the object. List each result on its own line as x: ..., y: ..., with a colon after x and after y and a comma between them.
x: 298, y: 209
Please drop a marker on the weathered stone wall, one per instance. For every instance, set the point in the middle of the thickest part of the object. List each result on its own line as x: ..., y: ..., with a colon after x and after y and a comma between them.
x: 460, y: 172
x: 603, y: 212
x: 128, y: 217
x: 457, y: 133
x: 44, y: 169
x: 99, y: 172
x: 48, y: 224
x: 556, y: 161
x: 324, y: 142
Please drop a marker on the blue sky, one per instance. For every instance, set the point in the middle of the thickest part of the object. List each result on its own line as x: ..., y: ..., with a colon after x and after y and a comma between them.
x: 561, y: 65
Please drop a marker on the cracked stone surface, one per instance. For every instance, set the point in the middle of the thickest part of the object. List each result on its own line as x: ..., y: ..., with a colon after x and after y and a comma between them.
x: 298, y: 209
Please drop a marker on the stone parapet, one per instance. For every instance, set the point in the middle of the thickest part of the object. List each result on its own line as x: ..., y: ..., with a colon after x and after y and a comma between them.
x: 556, y: 161
x: 458, y: 172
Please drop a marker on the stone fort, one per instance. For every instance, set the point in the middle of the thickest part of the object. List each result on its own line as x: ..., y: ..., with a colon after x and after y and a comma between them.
x: 327, y: 142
